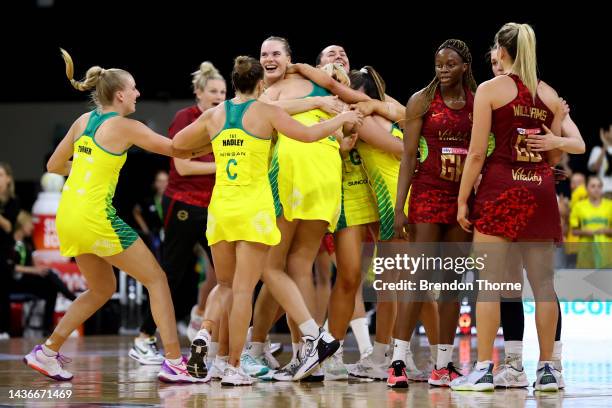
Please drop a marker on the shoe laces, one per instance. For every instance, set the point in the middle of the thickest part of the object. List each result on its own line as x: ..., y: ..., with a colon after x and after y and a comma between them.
x: 62, y: 360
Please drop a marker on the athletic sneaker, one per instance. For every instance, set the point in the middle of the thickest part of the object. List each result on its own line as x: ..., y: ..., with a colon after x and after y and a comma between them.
x: 52, y: 367
x: 442, y: 377
x: 314, y: 352
x: 145, y: 351
x: 273, y: 348
x: 287, y: 372
x: 397, y: 375
x: 197, y: 359
x: 367, y: 368
x: 267, y: 358
x: 177, y: 373
x: 412, y: 371
x: 509, y: 376
x: 477, y: 380
x: 195, y: 323
x: 559, y: 367
x: 547, y: 379
x: 316, y: 376
x: 217, y: 368
x: 233, y: 376
x: 334, y: 368
x: 251, y: 366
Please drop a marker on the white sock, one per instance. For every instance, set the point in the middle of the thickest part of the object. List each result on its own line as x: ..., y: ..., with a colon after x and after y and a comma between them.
x: 175, y: 361
x: 557, y: 350
x: 433, y: 350
x: 541, y: 364
x: 213, y: 349
x: 400, y: 349
x: 48, y: 352
x: 204, y: 334
x: 445, y: 355
x: 362, y: 334
x: 378, y: 353
x: 255, y: 349
x: 340, y: 351
x: 310, y: 328
x: 326, y: 325
x: 249, y: 334
x: 221, y: 359
x: 481, y: 365
x: 514, y: 347
x: 296, y: 347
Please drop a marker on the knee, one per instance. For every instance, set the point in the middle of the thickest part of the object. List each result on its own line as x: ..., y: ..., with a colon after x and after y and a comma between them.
x: 348, y: 282
x: 105, y: 289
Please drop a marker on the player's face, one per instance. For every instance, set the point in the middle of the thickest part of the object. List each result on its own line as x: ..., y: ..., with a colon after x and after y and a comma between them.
x: 449, y: 67
x: 496, y: 65
x: 335, y: 54
x: 161, y: 182
x: 5, y: 179
x: 213, y: 93
x: 128, y: 95
x: 273, y: 57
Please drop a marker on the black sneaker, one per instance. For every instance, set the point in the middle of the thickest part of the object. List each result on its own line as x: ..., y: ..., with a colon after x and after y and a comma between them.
x: 196, y: 366
x: 314, y: 352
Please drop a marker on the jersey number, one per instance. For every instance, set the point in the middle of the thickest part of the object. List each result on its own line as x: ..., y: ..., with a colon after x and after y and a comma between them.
x: 452, y: 167
x: 523, y: 152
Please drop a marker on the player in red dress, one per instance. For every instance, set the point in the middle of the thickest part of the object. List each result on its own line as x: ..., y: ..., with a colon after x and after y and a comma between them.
x: 516, y: 198
x: 439, y: 122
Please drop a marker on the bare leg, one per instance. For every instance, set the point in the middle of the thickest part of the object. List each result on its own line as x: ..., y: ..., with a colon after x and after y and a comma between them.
x: 322, y: 285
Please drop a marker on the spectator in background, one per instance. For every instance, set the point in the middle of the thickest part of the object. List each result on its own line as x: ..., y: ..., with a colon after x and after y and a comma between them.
x: 149, y: 216
x: 591, y: 221
x: 9, y: 208
x: 40, y: 281
x: 600, y: 160
x: 578, y: 193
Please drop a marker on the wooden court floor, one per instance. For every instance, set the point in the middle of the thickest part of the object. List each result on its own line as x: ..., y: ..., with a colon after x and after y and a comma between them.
x: 106, y: 376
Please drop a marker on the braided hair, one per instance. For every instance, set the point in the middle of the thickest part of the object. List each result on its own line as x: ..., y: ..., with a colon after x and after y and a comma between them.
x: 462, y: 49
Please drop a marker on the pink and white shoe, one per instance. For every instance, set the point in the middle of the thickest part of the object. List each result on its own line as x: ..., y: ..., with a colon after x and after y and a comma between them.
x: 397, y: 375
x: 177, y: 373
x: 442, y: 377
x: 51, y: 366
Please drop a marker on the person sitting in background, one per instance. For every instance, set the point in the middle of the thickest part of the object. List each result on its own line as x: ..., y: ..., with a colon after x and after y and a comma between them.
x: 591, y: 221
x: 40, y: 281
x: 149, y: 216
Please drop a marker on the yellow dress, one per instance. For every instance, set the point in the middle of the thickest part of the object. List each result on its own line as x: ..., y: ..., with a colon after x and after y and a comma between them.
x: 382, y: 169
x: 241, y: 207
x: 358, y: 203
x: 306, y: 178
x: 86, y: 220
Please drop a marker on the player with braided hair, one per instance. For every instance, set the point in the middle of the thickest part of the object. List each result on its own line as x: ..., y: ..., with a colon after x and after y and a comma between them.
x: 438, y: 125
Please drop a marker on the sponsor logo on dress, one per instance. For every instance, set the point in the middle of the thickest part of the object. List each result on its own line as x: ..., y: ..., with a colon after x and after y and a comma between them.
x: 454, y: 150
x: 182, y: 215
x: 530, y: 176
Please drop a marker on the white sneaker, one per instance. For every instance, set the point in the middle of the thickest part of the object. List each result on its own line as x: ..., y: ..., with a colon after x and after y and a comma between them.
x: 317, y: 375
x: 334, y: 368
x: 559, y: 367
x: 177, y: 373
x: 412, y: 371
x: 509, y: 376
x: 287, y: 372
x: 367, y: 368
x: 268, y: 358
x: 547, y: 379
x: 145, y: 351
x: 477, y: 380
x: 195, y: 323
x: 314, y: 352
x: 235, y: 376
x: 217, y: 368
x: 52, y: 367
x: 251, y: 366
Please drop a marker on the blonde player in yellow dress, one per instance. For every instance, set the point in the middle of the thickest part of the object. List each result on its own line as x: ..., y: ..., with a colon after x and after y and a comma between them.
x: 88, y: 227
x: 242, y: 222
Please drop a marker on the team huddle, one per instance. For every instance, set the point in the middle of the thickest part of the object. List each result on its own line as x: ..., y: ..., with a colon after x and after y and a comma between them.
x: 302, y: 152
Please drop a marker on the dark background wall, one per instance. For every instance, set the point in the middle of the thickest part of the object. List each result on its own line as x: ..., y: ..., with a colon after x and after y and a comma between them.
x: 162, y: 46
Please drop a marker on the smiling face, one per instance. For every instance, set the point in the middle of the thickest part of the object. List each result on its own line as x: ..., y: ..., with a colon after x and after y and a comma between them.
x: 335, y: 54
x: 212, y: 95
x: 128, y: 95
x: 449, y: 67
x: 274, y: 59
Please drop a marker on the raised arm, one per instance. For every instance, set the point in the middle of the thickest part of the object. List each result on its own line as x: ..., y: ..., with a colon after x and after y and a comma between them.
x: 477, y: 152
x: 285, y: 124
x: 322, y: 79
x: 412, y: 130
